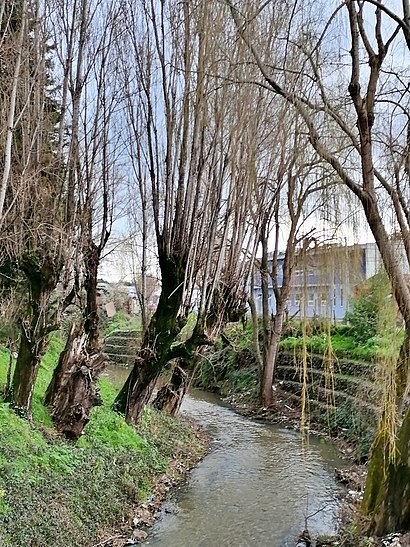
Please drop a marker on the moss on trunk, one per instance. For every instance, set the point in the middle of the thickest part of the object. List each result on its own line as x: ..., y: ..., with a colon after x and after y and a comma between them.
x: 169, y: 398
x: 36, y: 325
x: 387, y: 493
x: 20, y: 391
x: 155, y: 350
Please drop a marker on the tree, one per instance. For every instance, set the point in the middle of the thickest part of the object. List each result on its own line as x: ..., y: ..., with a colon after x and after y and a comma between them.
x: 32, y: 232
x: 186, y: 150
x: 288, y: 193
x: 92, y: 92
x: 356, y: 111
x: 10, y: 20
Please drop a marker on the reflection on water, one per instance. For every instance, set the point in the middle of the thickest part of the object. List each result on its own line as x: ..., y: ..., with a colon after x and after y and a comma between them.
x: 254, y: 489
x: 116, y: 374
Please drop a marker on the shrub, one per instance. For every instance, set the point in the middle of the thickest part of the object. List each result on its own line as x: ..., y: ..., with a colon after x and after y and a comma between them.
x: 371, y: 303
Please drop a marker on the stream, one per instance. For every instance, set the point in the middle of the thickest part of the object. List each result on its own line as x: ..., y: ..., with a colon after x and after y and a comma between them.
x: 255, y: 488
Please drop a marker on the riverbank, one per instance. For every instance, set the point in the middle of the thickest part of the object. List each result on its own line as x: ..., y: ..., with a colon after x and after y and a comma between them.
x: 53, y: 492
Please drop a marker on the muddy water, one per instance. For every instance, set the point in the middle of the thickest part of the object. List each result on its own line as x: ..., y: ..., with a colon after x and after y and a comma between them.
x: 255, y: 488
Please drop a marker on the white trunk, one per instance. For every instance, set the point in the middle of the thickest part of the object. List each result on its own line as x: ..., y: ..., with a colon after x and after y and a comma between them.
x: 12, y: 112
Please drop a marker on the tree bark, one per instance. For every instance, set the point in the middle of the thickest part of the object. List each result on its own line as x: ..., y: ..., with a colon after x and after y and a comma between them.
x: 35, y: 328
x: 73, y: 392
x: 169, y: 398
x: 154, y: 353
x: 20, y: 393
x: 91, y: 325
x: 387, y: 494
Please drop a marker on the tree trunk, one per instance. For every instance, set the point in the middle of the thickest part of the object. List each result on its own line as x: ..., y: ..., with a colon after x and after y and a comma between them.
x: 387, y: 492
x: 91, y: 325
x: 255, y: 325
x: 20, y: 393
x: 33, y: 334
x: 269, y: 365
x: 72, y: 392
x: 154, y: 353
x: 169, y: 398
x: 9, y: 371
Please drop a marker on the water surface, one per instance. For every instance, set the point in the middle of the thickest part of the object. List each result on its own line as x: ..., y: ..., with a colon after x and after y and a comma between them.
x: 255, y: 488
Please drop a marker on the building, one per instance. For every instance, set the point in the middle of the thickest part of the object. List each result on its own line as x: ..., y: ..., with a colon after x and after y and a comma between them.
x: 324, y: 280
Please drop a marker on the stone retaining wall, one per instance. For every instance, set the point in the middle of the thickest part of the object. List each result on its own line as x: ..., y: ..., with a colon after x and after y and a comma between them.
x: 121, y: 346
x: 345, y: 384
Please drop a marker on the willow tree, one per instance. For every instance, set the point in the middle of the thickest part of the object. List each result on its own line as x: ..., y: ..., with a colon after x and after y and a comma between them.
x: 33, y: 232
x: 183, y: 134
x: 90, y: 97
x: 346, y: 119
x: 289, y: 191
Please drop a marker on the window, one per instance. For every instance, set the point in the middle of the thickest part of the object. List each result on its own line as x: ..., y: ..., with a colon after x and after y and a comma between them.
x: 298, y: 298
x: 311, y: 300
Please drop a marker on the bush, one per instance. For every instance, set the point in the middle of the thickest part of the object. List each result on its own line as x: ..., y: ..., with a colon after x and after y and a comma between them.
x: 368, y: 307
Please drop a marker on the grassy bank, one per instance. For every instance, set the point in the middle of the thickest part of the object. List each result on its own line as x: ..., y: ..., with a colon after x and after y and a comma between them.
x: 56, y: 493
x: 231, y: 365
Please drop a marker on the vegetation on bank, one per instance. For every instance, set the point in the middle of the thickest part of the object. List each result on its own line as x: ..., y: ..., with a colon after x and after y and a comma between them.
x: 54, y: 492
x: 120, y: 321
x: 231, y: 367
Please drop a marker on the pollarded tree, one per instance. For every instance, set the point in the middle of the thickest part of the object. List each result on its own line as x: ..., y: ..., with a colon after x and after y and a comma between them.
x: 90, y: 98
x: 346, y: 114
x: 33, y: 231
x: 185, y: 133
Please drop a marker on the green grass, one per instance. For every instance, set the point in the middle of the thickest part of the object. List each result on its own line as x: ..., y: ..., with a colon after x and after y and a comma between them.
x: 123, y: 321
x: 344, y: 345
x: 56, y: 493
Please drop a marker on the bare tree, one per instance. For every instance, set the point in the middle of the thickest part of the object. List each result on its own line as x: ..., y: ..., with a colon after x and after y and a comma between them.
x: 7, y: 36
x: 32, y: 234
x: 287, y: 195
x: 355, y: 110
x: 90, y: 105
x: 184, y: 143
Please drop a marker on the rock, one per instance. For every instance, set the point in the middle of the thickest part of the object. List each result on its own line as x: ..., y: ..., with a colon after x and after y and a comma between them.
x: 144, y: 516
x: 139, y: 535
x: 392, y: 540
x: 304, y: 539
